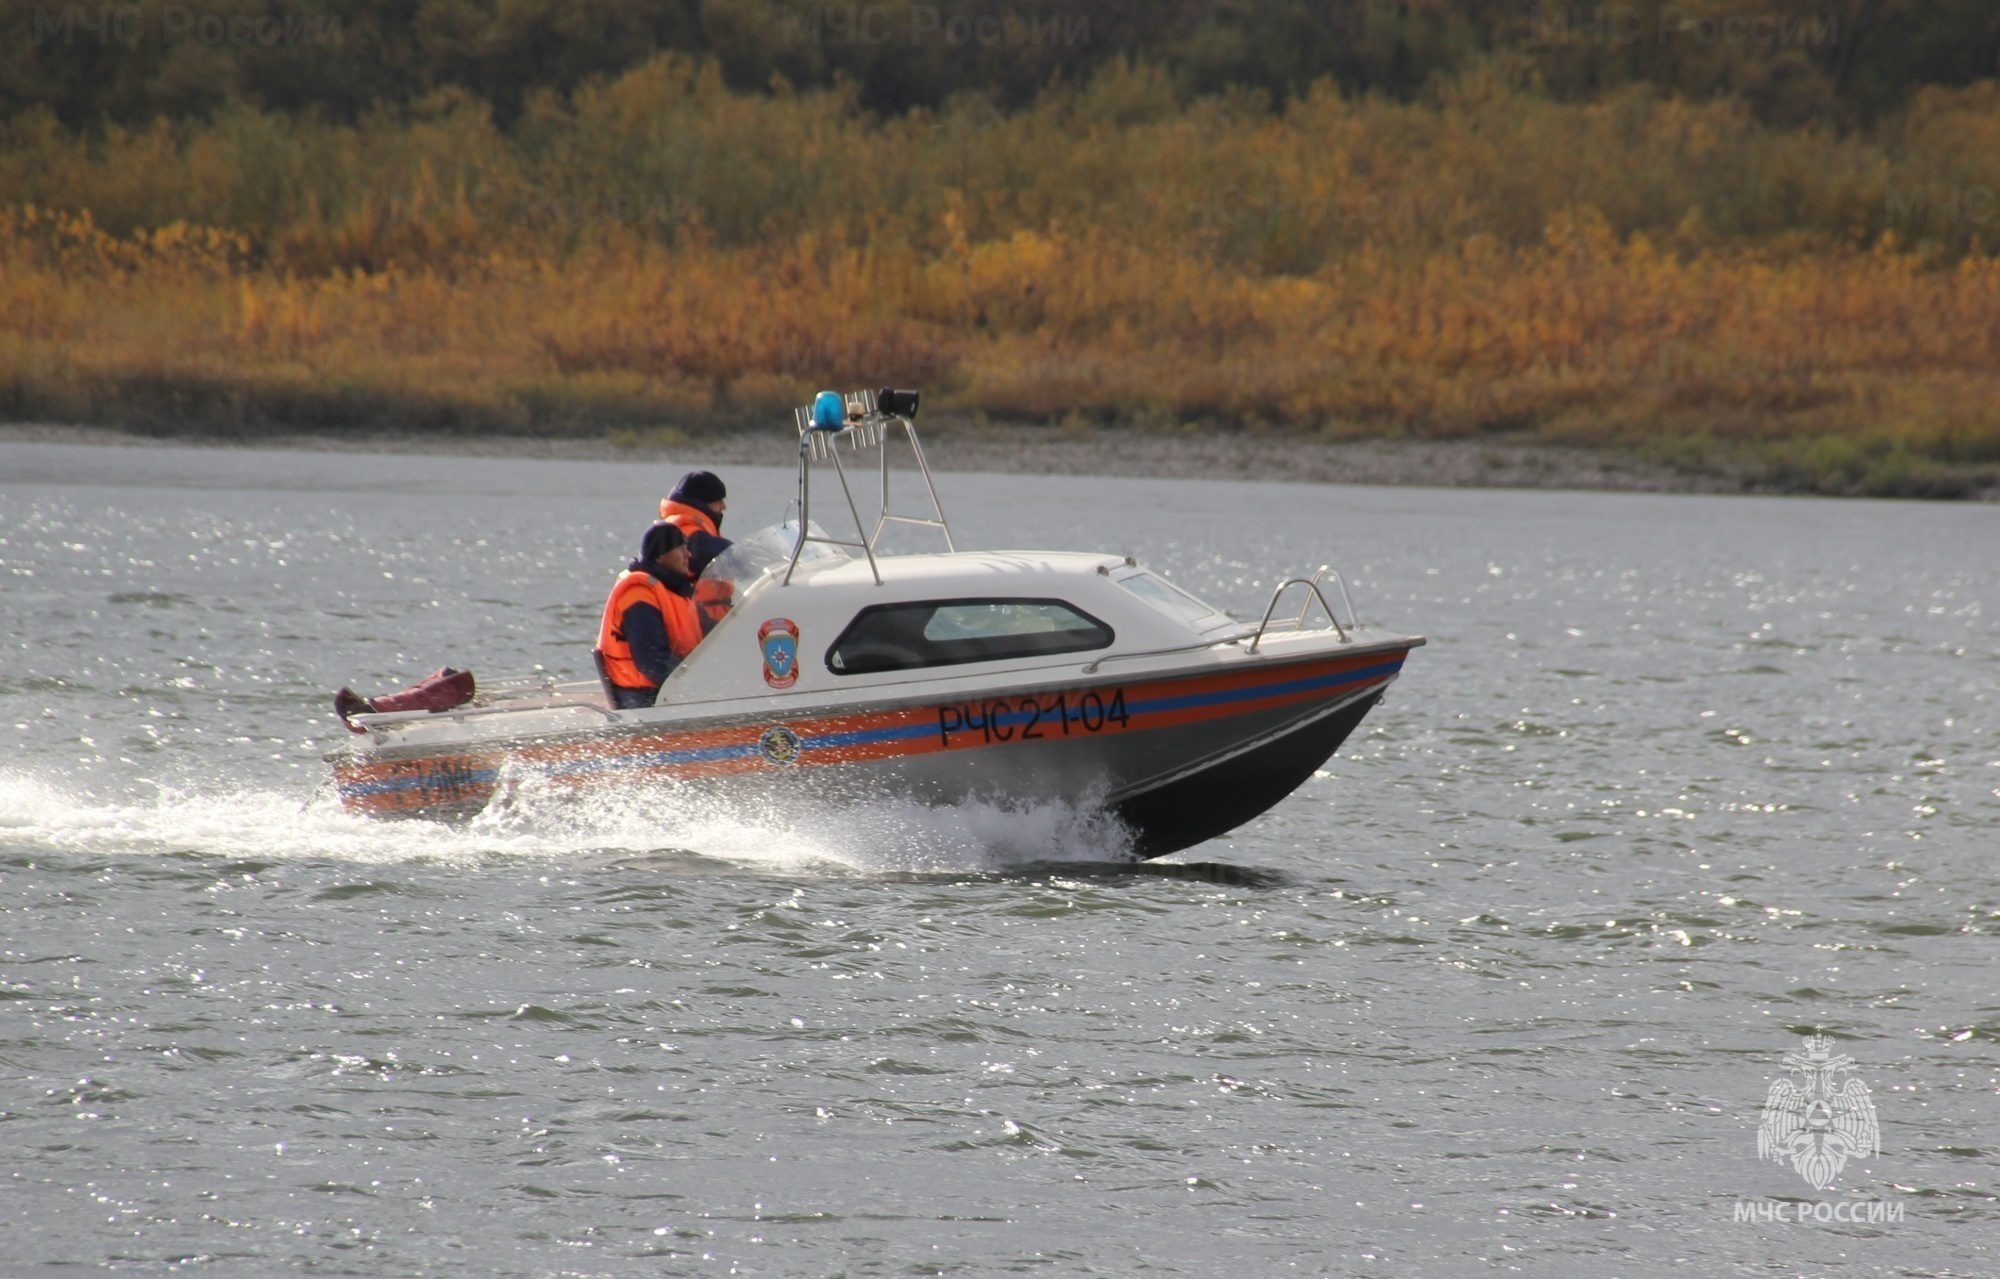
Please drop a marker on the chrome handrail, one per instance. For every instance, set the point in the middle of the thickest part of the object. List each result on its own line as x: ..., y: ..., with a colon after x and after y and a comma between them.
x: 1311, y: 584
x: 1255, y: 637
x: 1339, y: 581
x: 1090, y: 667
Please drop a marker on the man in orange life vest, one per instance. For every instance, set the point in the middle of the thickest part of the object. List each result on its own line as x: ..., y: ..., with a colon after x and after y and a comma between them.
x: 650, y: 622
x: 695, y: 507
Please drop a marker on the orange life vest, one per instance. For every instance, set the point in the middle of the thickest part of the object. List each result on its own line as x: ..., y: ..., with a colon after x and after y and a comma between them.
x: 684, y: 628
x: 713, y: 598
x: 688, y: 519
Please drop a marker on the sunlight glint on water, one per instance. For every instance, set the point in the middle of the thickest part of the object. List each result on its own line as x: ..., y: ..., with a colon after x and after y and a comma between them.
x: 1504, y: 987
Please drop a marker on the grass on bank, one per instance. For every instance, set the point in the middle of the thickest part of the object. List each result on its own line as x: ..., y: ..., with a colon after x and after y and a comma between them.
x: 658, y: 253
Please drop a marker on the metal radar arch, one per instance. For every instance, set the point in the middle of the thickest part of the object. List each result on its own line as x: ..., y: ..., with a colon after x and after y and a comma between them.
x: 862, y: 421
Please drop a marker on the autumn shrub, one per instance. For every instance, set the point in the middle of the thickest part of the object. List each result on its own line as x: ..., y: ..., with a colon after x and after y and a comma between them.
x: 662, y: 252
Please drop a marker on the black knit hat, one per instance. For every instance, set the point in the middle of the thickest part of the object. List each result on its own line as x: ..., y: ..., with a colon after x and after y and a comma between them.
x: 660, y: 538
x: 699, y: 488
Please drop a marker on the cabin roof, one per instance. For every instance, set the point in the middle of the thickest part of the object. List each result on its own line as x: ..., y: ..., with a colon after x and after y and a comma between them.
x: 969, y: 572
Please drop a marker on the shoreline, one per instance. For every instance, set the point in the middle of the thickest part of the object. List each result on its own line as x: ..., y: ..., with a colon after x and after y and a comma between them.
x: 957, y: 443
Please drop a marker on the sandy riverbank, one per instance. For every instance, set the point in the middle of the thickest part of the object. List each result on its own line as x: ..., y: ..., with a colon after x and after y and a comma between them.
x: 961, y: 445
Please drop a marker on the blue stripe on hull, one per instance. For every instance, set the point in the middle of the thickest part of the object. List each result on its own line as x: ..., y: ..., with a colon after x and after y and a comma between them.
x: 487, y: 777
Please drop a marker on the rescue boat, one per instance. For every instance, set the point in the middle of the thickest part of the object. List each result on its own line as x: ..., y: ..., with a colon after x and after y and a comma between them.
x: 1011, y: 676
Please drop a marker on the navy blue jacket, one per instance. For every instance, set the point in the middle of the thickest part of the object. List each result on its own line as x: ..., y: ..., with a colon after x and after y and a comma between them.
x: 646, y: 631
x: 703, y: 545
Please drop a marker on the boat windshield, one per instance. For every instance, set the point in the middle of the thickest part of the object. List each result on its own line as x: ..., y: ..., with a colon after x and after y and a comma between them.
x: 1174, y: 602
x: 749, y: 558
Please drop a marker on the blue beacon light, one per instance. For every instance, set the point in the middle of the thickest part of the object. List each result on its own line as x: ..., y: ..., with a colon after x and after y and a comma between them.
x: 829, y: 412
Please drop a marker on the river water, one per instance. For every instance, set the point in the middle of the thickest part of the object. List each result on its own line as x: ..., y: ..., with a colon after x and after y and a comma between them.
x: 1677, y: 782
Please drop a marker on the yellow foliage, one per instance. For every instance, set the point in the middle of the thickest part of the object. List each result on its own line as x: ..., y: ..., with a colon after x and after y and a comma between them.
x: 662, y: 249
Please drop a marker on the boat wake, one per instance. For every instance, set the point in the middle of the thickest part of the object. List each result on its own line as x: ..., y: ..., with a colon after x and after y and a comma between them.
x: 667, y: 826
x: 808, y: 830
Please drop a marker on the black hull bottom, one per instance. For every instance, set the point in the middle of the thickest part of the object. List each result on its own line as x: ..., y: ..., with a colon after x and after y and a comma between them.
x: 1217, y: 800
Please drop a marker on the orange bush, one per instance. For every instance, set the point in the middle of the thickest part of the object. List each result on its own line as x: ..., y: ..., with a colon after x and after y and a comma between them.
x: 660, y: 250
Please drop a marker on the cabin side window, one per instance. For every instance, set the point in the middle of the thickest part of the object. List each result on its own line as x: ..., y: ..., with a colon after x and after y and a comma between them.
x: 913, y: 635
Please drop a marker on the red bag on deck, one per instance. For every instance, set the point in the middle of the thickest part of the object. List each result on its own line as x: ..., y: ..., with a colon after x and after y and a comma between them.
x: 441, y: 690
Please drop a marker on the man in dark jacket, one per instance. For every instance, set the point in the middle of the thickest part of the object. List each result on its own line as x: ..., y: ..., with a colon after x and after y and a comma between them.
x: 696, y: 506
x: 650, y: 623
